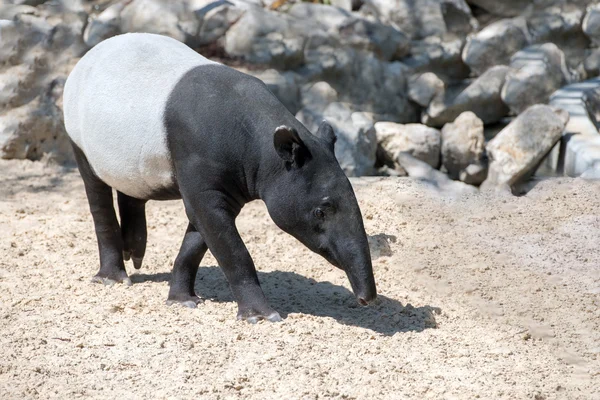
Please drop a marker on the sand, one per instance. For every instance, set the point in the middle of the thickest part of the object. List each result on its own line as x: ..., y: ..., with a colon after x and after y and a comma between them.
x: 481, y: 296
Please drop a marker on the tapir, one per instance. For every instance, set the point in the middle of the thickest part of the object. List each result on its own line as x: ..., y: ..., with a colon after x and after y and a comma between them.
x: 154, y: 120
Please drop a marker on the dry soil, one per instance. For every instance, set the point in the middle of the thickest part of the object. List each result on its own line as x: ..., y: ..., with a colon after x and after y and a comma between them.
x: 481, y: 296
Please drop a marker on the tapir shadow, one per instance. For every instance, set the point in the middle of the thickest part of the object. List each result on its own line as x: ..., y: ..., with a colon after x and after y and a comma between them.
x: 289, y: 292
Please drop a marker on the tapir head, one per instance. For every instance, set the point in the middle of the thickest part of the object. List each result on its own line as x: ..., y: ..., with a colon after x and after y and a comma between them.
x: 313, y: 201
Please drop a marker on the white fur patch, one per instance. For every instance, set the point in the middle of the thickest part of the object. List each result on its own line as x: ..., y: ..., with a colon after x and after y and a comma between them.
x: 114, y: 104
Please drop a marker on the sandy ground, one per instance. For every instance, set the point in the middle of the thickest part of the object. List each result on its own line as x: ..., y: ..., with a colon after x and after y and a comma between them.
x: 484, y: 296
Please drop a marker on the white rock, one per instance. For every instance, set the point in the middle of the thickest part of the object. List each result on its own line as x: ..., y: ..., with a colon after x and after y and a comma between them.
x: 518, y: 149
x: 420, y: 141
x: 463, y: 149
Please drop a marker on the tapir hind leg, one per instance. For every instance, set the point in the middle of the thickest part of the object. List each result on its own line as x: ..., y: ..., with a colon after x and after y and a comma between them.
x: 108, y: 232
x: 185, y: 269
x: 133, y: 228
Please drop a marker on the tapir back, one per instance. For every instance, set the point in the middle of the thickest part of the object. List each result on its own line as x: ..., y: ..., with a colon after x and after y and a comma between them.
x: 114, y: 105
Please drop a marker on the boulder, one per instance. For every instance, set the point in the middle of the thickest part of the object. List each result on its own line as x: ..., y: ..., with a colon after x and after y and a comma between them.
x: 537, y: 72
x: 592, y: 63
x: 440, y: 55
x: 39, y: 48
x: 105, y: 25
x: 420, y: 141
x: 164, y: 18
x: 215, y: 18
x: 515, y: 152
x: 495, y: 44
x: 423, y: 18
x: 504, y: 8
x: 561, y: 25
x: 283, y: 85
x: 463, y: 149
x: 481, y: 96
x: 363, y: 79
x: 422, y: 88
x: 266, y: 37
x: 384, y: 41
x: 591, y: 23
x: 318, y: 95
x: 356, y: 143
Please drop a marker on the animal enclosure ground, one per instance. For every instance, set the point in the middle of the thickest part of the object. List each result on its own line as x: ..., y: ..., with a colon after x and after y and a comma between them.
x: 485, y: 296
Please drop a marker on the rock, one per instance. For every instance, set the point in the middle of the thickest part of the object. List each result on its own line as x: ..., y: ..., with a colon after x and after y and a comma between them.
x: 266, y: 37
x: 427, y: 18
x: 39, y: 48
x: 164, y: 18
x: 385, y: 41
x: 504, y: 8
x: 592, y: 173
x: 216, y: 18
x: 538, y: 71
x: 318, y: 95
x: 356, y: 143
x: 420, y: 141
x: 495, y: 44
x: 463, y: 149
x: 556, y: 24
x: 592, y: 63
x: 581, y: 140
x: 481, y: 96
x: 440, y: 55
x: 343, y: 4
x: 283, y: 86
x: 516, y: 151
x: 591, y: 23
x: 107, y: 24
x: 439, y: 181
x: 423, y: 88
x: 363, y: 79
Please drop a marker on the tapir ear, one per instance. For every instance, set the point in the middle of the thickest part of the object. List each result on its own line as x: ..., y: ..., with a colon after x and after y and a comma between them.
x: 289, y: 146
x: 326, y: 133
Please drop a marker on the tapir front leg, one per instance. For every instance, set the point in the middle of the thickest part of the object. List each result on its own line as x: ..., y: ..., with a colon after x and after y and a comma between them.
x: 214, y: 216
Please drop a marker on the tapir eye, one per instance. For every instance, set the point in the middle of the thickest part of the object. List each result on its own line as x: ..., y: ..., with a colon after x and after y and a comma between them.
x: 319, y: 213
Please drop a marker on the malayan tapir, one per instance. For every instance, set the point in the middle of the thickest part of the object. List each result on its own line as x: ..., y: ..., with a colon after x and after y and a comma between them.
x: 154, y: 120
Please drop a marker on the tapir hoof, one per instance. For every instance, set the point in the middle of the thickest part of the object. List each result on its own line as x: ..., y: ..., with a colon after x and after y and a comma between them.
x: 253, y: 317
x: 186, y: 301
x: 110, y: 281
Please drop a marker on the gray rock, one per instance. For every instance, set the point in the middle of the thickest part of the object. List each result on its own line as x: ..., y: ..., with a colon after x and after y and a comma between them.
x: 423, y: 88
x: 504, y: 8
x: 495, y: 44
x: 481, y: 96
x: 538, y: 71
x: 283, y: 86
x: 591, y: 23
x: 423, y: 18
x: 383, y: 40
x: 516, y: 151
x: 265, y: 37
x: 463, y: 149
x: 318, y: 95
x: 592, y: 173
x: 38, y: 50
x: 592, y: 63
x: 435, y: 179
x: 343, y: 4
x: 160, y: 17
x: 420, y: 141
x: 440, y: 55
x: 363, y: 79
x: 356, y: 143
x: 105, y: 25
x: 215, y: 18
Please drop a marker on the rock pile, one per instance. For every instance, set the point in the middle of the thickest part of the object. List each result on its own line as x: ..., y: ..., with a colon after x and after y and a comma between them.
x: 420, y: 81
